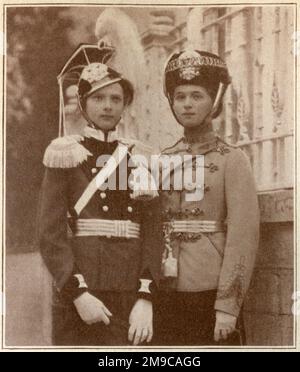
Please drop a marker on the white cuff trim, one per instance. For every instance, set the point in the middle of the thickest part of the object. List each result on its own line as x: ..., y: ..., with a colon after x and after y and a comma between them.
x: 145, y: 283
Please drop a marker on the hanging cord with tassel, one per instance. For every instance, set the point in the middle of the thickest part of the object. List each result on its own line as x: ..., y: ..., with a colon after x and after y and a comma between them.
x: 64, y: 151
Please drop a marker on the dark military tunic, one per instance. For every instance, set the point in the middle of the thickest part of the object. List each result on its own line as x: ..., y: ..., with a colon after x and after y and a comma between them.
x: 214, y: 267
x: 111, y: 266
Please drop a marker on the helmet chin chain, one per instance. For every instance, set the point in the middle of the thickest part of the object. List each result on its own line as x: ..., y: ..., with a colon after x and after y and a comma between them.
x: 84, y: 114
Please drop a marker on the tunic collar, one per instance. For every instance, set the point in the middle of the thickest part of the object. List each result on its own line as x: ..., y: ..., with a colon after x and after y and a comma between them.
x: 100, y: 135
x: 200, y: 138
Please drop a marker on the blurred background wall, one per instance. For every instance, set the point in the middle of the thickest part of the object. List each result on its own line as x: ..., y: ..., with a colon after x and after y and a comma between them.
x: 258, y: 46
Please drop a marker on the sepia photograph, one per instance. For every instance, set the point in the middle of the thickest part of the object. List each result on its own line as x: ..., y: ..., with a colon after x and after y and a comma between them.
x: 149, y: 176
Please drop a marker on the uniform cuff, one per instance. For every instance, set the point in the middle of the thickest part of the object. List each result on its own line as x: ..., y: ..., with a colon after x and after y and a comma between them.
x: 228, y: 306
x: 146, y: 289
x: 74, y: 286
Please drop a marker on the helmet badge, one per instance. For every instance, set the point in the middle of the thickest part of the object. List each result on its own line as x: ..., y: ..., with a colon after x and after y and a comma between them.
x: 94, y: 72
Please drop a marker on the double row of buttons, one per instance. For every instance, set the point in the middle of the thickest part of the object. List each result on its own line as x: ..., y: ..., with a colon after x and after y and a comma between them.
x: 103, y: 195
x: 105, y: 208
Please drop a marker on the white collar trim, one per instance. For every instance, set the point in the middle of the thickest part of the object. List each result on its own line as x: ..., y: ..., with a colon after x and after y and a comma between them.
x: 100, y: 135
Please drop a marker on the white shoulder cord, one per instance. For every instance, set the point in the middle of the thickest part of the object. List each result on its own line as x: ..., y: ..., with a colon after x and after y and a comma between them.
x: 62, y: 119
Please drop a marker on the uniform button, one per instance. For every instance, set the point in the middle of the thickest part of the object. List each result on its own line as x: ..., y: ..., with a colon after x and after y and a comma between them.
x: 130, y: 209
x: 94, y: 170
x: 102, y: 195
x: 105, y: 208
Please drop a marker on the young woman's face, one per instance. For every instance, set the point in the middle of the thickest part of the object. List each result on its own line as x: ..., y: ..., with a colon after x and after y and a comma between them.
x: 105, y: 106
x: 191, y: 104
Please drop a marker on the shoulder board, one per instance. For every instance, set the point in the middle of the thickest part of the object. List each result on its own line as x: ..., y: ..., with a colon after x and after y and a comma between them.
x: 169, y: 150
x: 226, y: 143
x: 65, y: 152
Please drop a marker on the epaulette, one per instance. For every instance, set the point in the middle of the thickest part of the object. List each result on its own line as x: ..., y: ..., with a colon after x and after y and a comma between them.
x: 219, y: 139
x: 65, y: 152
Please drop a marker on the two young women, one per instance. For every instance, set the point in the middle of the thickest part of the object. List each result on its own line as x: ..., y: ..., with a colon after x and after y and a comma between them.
x: 108, y: 272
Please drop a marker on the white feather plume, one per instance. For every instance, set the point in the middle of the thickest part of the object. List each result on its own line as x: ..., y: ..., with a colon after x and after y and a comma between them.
x: 118, y: 29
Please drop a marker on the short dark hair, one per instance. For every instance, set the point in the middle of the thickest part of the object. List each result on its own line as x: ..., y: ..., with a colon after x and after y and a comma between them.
x: 125, y: 85
x: 208, y: 75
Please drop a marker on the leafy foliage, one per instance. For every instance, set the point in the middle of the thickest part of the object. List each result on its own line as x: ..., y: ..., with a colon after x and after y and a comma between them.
x: 37, y: 47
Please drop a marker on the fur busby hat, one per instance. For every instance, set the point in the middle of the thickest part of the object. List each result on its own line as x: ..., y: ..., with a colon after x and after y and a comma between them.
x: 197, y: 68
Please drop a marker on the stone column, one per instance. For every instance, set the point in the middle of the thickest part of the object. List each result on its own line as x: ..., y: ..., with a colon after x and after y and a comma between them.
x: 158, y: 127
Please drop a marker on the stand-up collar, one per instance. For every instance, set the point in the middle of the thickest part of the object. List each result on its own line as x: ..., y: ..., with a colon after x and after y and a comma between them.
x: 199, y: 138
x: 100, y: 135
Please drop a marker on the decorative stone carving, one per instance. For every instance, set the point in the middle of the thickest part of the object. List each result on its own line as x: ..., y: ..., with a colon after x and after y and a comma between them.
x: 277, y: 106
x: 242, y: 118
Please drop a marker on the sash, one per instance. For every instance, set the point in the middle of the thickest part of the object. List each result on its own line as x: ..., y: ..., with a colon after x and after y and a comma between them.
x: 108, y: 169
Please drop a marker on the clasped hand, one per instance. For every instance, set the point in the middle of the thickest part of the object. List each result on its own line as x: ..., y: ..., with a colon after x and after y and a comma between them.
x: 225, y: 325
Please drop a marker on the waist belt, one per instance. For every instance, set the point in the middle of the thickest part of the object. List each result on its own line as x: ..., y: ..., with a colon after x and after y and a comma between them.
x: 108, y: 228
x: 194, y: 226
